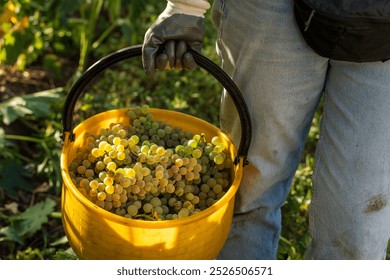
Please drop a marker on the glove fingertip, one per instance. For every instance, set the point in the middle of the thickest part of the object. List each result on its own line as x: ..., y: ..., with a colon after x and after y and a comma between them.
x: 189, y: 62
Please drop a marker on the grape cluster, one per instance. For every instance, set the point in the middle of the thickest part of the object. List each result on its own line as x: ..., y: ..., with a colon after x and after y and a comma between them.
x: 150, y: 170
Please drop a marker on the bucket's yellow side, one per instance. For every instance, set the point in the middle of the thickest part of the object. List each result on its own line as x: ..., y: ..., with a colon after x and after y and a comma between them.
x: 95, y: 233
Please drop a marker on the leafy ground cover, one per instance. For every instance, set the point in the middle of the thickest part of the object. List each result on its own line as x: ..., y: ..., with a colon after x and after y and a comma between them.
x: 44, y: 46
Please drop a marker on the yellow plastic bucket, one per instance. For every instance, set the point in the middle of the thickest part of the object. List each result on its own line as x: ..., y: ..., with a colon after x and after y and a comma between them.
x: 95, y: 233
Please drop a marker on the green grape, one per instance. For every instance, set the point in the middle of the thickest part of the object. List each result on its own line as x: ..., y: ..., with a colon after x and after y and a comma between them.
x: 189, y: 176
x: 195, y: 199
x: 192, y: 143
x: 116, y: 141
x: 111, y: 166
x: 188, y: 205
x: 145, y: 109
x: 149, y: 117
x: 118, y: 189
x: 183, y: 170
x: 100, y: 203
x: 94, y: 184
x: 142, y: 120
x: 81, y: 169
x: 216, y: 140
x: 121, y: 156
x: 183, y: 212
x: 219, y: 148
x: 168, y: 129
x: 132, y: 210
x: 115, y: 197
x: 219, y: 159
x: 217, y: 188
x: 84, y: 183
x: 160, y: 151
x: 89, y: 173
x: 109, y: 189
x: 108, y: 181
x: 96, y: 152
x: 189, y: 196
x: 138, y: 204
x: 101, y: 195
x: 147, y: 208
x: 158, y: 210
x: 197, y: 153
x: 170, y: 188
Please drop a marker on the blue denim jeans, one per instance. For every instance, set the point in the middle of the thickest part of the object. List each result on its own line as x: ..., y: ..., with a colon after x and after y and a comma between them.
x: 282, y: 81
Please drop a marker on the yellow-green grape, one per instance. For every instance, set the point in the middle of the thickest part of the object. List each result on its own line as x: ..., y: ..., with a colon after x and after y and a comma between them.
x: 108, y: 181
x: 115, y: 196
x: 96, y: 152
x: 109, y: 189
x: 183, y: 212
x: 170, y: 188
x: 192, y: 143
x: 89, y: 173
x: 145, y: 109
x: 116, y: 203
x: 84, y: 183
x: 189, y: 196
x: 219, y: 159
x: 112, y: 154
x: 108, y: 205
x: 94, y: 184
x: 100, y: 165
x: 122, y: 133
x: 106, y: 160
x: 102, y: 131
x: 108, y: 148
x: 183, y: 170
x: 160, y: 151
x: 100, y: 203
x: 179, y: 162
x: 101, y: 196
x: 116, y: 141
x: 93, y: 192
x: 138, y: 204
x: 125, y: 182
x: 219, y: 148
x: 195, y: 199
x: 147, y: 207
x: 189, y: 176
x: 188, y: 205
x: 132, y: 210
x: 216, y: 140
x: 102, y: 146
x: 155, y: 201
x: 111, y: 166
x: 130, y: 172
x: 197, y: 153
x: 145, y: 171
x: 217, y: 188
x: 118, y: 189
x: 81, y: 169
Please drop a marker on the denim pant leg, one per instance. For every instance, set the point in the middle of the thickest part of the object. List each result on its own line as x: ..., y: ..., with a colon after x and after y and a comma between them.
x: 350, y: 213
x: 282, y: 81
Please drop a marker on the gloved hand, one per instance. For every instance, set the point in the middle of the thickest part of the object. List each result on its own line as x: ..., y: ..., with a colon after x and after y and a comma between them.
x: 166, y: 41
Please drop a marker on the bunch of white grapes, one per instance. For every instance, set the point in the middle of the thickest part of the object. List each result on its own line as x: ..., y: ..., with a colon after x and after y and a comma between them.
x: 150, y: 170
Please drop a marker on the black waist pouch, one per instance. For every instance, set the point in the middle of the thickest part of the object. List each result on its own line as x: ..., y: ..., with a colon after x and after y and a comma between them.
x: 355, y: 31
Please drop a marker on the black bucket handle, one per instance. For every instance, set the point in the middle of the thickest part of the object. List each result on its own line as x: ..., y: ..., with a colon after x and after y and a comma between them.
x: 134, y: 51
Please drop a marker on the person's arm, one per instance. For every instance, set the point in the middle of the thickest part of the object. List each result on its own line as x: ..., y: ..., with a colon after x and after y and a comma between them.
x: 179, y: 26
